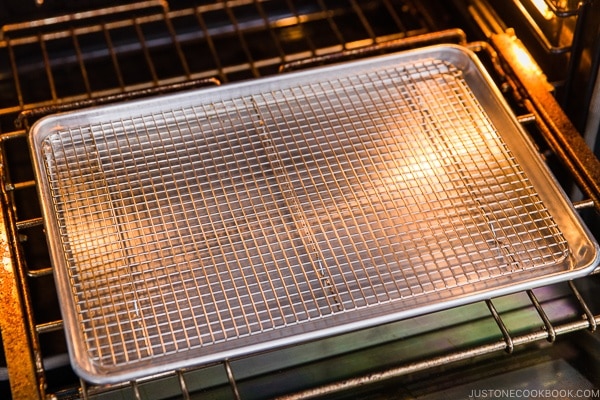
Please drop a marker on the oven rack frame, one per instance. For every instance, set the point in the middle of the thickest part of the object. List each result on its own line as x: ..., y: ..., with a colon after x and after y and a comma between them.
x: 21, y: 332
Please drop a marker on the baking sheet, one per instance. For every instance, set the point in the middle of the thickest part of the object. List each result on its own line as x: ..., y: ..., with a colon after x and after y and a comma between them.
x: 210, y: 224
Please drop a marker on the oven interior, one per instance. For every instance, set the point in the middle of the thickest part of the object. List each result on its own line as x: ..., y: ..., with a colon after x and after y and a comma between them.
x: 59, y: 55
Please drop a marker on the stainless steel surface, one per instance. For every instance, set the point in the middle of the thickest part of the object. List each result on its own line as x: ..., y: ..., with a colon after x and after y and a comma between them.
x: 197, y: 227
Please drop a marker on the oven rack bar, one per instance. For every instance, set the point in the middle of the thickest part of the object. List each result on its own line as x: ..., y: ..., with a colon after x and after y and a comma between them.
x: 182, y: 28
x: 499, y: 346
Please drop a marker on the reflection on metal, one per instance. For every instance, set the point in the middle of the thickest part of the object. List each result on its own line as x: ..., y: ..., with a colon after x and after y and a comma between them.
x: 35, y: 113
x: 589, y: 316
x: 136, y: 390
x: 184, y: 390
x: 553, y: 28
x: 456, y: 36
x: 543, y: 9
x: 402, y: 370
x: 583, y: 204
x: 547, y: 323
x: 563, y: 8
x: 559, y: 132
x: 9, y: 29
x: 231, y: 379
x: 21, y: 368
x: 510, y: 345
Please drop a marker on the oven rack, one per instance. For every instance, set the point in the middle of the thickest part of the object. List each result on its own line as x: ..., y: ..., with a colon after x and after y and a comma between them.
x: 25, y: 330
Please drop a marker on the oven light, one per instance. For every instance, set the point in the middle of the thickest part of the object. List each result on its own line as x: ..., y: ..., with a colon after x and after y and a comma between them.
x: 543, y: 8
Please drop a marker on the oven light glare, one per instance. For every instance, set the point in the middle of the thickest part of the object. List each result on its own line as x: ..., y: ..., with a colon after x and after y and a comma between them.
x: 525, y: 60
x: 543, y: 9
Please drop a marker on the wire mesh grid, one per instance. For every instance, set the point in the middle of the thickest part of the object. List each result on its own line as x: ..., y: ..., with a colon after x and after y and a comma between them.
x: 242, y: 217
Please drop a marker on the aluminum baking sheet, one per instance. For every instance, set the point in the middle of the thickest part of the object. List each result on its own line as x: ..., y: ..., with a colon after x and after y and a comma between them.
x: 210, y: 224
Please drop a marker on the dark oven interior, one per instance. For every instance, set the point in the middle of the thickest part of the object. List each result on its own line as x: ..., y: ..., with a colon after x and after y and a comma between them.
x: 61, y: 55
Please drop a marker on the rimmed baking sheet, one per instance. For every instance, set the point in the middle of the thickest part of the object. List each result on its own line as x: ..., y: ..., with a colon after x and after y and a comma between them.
x: 210, y: 224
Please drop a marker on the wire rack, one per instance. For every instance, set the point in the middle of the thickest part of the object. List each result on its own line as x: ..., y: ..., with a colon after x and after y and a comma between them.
x: 200, y: 225
x: 51, y: 65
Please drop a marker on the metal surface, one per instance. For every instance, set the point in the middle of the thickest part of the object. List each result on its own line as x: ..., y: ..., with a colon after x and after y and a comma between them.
x: 456, y: 36
x: 36, y: 113
x: 296, y: 34
x: 564, y: 8
x: 559, y: 132
x: 262, y: 214
x: 13, y: 324
x: 553, y: 27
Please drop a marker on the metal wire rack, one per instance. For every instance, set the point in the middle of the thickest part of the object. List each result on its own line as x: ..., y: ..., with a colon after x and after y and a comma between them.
x: 54, y: 64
